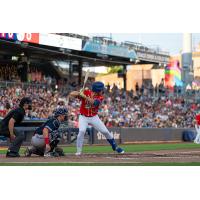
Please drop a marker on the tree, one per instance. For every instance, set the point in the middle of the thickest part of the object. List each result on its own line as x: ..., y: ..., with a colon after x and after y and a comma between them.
x: 114, y: 69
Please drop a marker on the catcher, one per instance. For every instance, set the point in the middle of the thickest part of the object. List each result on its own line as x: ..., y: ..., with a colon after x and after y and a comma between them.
x: 46, y: 137
x: 90, y: 102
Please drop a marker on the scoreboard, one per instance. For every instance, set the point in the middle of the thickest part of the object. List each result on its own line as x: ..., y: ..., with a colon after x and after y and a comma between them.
x: 23, y: 37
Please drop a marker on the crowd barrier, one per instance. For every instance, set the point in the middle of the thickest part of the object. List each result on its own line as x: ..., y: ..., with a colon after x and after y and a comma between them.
x: 151, y: 134
x: 141, y: 135
x: 121, y: 135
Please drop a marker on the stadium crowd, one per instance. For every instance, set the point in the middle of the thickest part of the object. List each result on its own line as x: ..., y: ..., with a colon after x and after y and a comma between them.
x: 143, y: 108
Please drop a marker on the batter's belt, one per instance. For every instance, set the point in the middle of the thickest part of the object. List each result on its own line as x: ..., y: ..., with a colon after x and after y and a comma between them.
x: 87, y: 116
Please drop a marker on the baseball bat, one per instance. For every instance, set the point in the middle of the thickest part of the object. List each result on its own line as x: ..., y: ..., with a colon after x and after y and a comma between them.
x: 86, y: 78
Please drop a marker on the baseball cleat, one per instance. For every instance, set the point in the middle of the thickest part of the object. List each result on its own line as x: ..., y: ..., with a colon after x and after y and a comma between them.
x: 119, y: 150
x: 27, y: 152
x: 78, y: 153
x: 48, y: 154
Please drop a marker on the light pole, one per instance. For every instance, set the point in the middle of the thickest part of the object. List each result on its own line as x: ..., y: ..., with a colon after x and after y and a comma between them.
x: 187, y: 66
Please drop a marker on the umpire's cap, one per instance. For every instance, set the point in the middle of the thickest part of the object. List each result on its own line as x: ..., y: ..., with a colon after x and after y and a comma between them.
x: 60, y: 111
x: 97, y: 86
x: 25, y: 100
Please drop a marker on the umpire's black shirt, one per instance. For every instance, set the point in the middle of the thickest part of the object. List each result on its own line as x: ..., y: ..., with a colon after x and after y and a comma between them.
x: 17, y: 114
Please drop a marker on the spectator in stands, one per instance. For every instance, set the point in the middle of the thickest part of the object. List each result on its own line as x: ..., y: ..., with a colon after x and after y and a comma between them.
x: 142, y: 89
x: 137, y: 88
x: 108, y: 87
x: 120, y: 108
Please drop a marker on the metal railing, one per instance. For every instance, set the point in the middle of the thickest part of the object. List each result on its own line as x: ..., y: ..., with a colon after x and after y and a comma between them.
x: 9, y: 84
x: 22, y: 84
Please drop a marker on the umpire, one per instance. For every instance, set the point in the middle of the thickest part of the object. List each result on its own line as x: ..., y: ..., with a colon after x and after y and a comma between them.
x: 7, y: 126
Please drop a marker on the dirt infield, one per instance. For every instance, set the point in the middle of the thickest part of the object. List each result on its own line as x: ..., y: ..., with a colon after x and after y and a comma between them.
x: 171, y: 156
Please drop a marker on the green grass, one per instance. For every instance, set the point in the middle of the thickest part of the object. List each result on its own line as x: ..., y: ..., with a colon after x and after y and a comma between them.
x: 107, y: 149
x: 128, y: 148
x: 135, y: 148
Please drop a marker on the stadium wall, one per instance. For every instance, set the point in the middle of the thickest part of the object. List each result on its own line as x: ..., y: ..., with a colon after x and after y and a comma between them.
x: 141, y: 135
x: 121, y: 135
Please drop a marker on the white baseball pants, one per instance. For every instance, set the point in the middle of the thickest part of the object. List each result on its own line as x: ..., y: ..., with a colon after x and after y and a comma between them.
x: 96, y: 123
x: 38, y: 141
x: 197, y: 139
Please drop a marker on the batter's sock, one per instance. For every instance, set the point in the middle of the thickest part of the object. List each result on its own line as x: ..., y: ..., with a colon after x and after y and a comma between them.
x: 112, y: 143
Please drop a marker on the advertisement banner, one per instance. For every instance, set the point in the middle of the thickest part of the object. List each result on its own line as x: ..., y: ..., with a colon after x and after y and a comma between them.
x: 109, y: 49
x: 99, y: 138
x: 23, y: 37
x: 28, y: 37
x: 60, y: 41
x: 152, y: 57
x: 129, y: 135
x: 45, y: 39
x: 9, y: 36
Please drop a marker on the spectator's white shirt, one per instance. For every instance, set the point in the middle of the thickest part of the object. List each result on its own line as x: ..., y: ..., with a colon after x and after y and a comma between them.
x: 162, y: 117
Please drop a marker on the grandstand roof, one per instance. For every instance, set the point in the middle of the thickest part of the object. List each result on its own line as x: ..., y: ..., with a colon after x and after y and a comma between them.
x: 108, y: 53
x: 41, y: 52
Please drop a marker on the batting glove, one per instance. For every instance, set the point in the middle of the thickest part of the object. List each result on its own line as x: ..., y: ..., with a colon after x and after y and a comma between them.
x: 82, y: 95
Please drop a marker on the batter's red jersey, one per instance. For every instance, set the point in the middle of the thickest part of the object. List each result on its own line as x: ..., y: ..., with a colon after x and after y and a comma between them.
x: 198, y: 119
x: 86, y: 108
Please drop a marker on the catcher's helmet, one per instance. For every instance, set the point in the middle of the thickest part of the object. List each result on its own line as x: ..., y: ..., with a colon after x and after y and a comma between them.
x: 97, y: 86
x: 60, y: 111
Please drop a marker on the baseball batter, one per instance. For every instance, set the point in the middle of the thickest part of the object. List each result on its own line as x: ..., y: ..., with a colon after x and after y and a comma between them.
x: 90, y: 102
x: 197, y: 127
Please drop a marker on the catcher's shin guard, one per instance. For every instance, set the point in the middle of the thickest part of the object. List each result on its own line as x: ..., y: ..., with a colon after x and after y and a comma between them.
x: 27, y: 152
x: 54, y: 144
x: 59, y: 151
x: 37, y: 151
